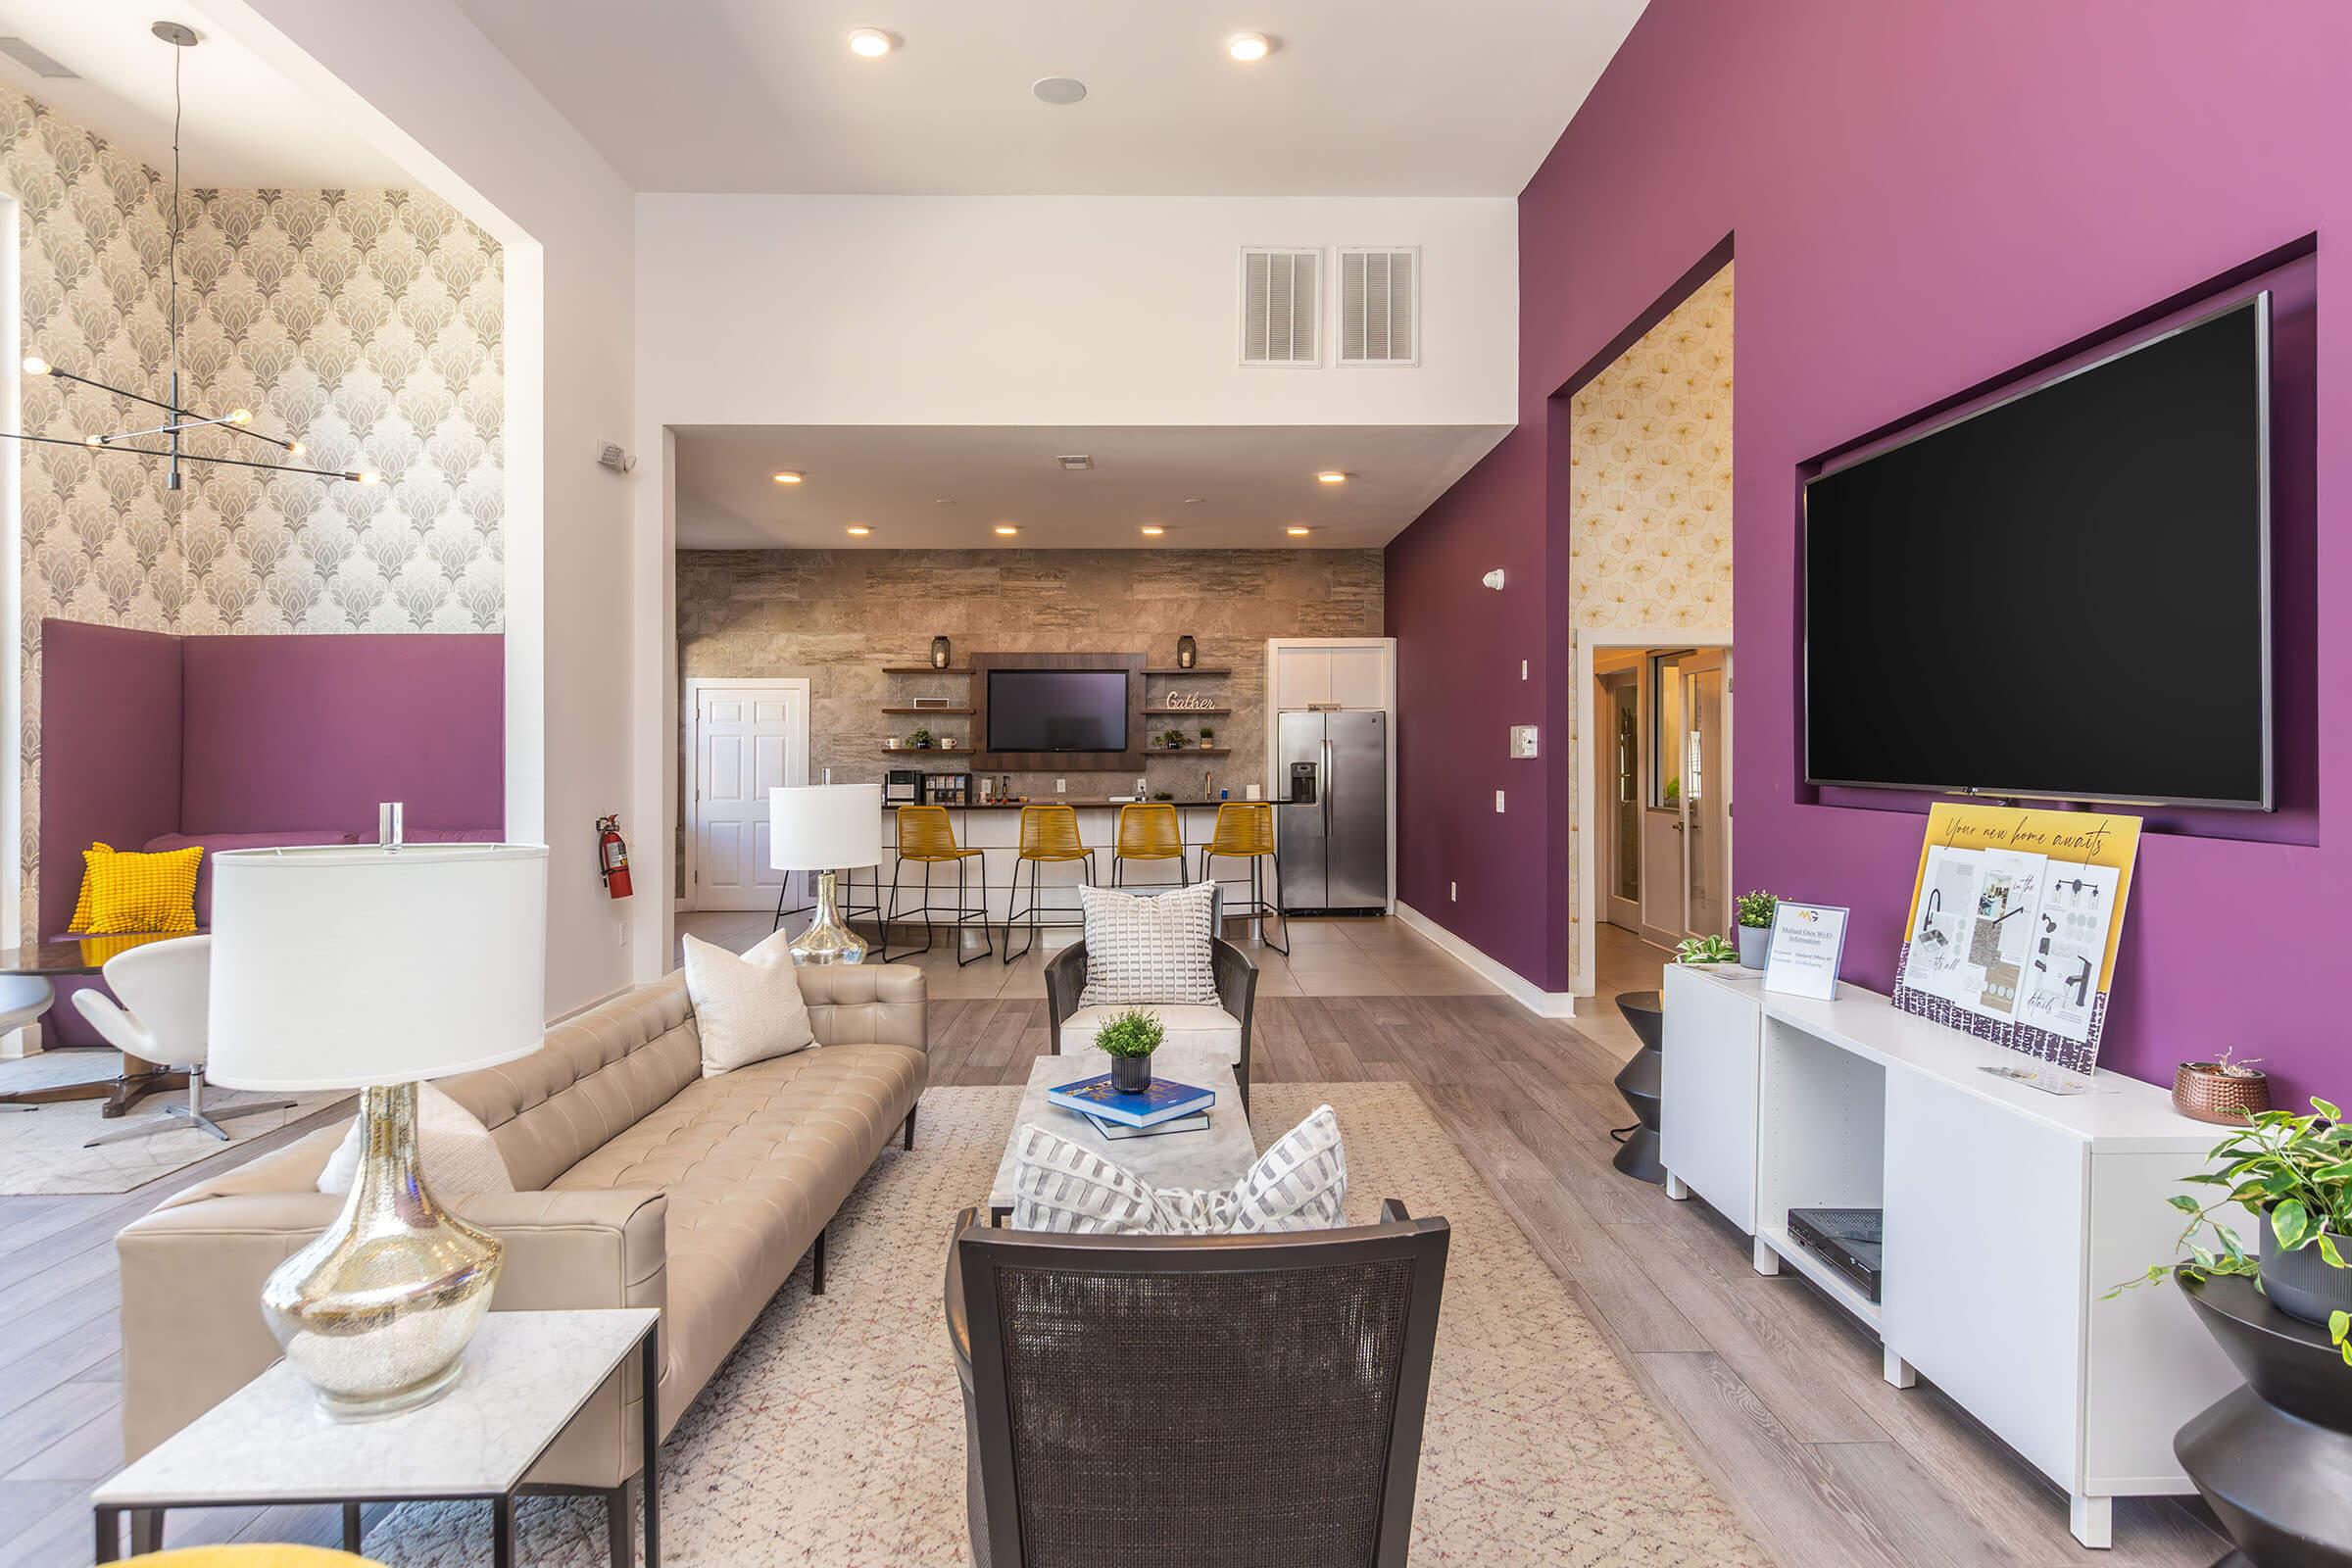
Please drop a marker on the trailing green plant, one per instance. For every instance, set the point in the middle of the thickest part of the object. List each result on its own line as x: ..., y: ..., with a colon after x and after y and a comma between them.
x: 1129, y: 1033
x: 1705, y: 949
x: 2294, y: 1174
x: 1756, y: 908
x: 1163, y: 795
x: 1172, y: 739
x: 919, y: 738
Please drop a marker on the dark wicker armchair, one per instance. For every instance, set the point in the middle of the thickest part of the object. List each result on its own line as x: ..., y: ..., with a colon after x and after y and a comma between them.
x: 1237, y: 990
x: 1151, y: 1402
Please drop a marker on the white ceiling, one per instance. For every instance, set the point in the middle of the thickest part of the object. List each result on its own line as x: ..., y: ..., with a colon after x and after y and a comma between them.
x: 1360, y: 97
x: 244, y: 125
x: 1248, y: 482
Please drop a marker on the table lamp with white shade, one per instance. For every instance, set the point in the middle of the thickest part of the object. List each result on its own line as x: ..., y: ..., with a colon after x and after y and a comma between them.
x: 371, y: 968
x: 825, y: 828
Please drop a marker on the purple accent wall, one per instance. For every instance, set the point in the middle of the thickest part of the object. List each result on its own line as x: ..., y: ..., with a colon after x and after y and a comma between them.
x: 1922, y: 198
x: 300, y: 731
x: 111, y: 724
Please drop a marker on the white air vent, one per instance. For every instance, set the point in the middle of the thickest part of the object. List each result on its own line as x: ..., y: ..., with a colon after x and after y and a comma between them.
x: 32, y: 60
x: 1380, y: 307
x: 1279, y: 302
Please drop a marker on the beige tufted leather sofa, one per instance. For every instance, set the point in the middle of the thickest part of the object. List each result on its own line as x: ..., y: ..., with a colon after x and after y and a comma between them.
x: 639, y: 1183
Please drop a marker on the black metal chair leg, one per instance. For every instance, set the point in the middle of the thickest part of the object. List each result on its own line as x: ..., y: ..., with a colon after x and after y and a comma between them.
x: 926, y: 906
x: 987, y: 937
x: 1274, y: 869
x: 890, y: 914
x: 962, y: 913
x: 785, y: 888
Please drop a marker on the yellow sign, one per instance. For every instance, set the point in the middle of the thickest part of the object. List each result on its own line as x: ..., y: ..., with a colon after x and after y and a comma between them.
x: 2015, y: 918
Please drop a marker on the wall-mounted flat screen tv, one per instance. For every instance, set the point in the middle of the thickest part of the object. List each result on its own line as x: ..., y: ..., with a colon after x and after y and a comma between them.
x: 2063, y: 594
x: 1058, y: 710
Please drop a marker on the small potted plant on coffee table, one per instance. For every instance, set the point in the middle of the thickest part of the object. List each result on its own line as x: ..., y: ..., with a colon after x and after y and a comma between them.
x: 1755, y: 926
x: 1128, y: 1039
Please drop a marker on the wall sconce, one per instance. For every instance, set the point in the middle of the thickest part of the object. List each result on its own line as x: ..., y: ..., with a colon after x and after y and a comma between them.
x: 1493, y: 580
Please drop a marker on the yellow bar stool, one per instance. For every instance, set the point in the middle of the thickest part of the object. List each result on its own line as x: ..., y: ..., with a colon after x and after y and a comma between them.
x: 1049, y: 836
x: 927, y: 838
x: 1148, y: 833
x: 1244, y: 830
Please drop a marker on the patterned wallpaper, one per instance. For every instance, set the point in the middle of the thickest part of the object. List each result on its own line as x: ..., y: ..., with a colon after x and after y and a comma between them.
x: 1649, y: 452
x: 364, y: 324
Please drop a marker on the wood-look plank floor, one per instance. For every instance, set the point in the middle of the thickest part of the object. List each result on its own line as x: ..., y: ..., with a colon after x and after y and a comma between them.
x: 1775, y: 1390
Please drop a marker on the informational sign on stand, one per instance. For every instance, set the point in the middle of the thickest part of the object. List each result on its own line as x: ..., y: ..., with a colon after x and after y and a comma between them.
x: 1807, y: 941
x: 2015, y: 917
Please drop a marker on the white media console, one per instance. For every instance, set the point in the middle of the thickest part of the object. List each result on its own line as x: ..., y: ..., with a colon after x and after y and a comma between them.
x: 2009, y: 1214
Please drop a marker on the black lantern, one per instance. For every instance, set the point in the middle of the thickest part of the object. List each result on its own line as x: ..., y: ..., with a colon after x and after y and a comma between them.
x: 1186, y: 653
x: 939, y: 652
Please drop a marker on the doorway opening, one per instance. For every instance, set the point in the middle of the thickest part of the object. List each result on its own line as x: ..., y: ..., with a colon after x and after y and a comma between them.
x: 1663, y: 796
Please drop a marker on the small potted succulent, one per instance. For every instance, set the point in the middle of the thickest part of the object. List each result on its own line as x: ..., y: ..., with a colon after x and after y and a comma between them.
x: 1129, y: 1038
x: 1208, y: 735
x: 2294, y: 1175
x: 1705, y: 949
x: 920, y: 740
x: 2225, y: 1091
x: 1172, y: 739
x: 1755, y: 926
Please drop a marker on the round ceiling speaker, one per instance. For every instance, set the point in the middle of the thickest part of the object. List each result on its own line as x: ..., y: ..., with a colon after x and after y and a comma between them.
x: 1059, y: 91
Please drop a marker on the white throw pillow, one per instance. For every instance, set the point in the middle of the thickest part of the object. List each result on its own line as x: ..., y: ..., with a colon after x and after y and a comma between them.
x: 1149, y: 946
x: 746, y: 1008
x: 1298, y: 1183
x: 455, y: 1152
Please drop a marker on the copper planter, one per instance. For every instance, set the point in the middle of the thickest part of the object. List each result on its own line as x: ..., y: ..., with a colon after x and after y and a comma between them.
x: 2201, y: 1090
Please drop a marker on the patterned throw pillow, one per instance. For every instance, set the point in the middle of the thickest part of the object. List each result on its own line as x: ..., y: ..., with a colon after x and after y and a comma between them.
x: 1149, y: 946
x: 746, y: 1010
x: 138, y: 892
x: 1298, y: 1183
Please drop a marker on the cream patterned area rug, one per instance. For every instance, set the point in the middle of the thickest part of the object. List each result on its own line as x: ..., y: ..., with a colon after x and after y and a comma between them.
x: 834, y: 1435
x: 41, y: 1152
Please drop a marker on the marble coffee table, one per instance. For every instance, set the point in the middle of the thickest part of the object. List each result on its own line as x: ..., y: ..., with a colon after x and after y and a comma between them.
x: 526, y: 1375
x: 1215, y: 1158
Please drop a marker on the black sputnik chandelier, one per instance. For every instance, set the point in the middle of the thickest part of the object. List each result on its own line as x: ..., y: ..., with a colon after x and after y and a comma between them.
x: 177, y: 419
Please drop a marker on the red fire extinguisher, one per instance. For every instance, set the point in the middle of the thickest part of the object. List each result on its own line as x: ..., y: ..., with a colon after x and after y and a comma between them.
x: 613, y: 856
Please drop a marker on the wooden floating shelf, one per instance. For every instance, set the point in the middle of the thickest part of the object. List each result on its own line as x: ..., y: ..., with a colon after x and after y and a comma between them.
x: 1189, y: 751
x: 1178, y: 713
x: 960, y: 753
x: 925, y: 670
x: 913, y: 710
x: 1176, y: 671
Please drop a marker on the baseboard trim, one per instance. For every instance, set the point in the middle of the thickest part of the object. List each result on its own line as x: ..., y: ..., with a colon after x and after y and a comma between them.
x: 1525, y: 992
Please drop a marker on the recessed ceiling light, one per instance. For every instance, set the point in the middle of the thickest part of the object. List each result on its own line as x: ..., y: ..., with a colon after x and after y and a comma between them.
x: 1331, y: 477
x: 872, y: 42
x: 1059, y: 91
x: 857, y: 530
x: 1152, y: 531
x: 789, y: 476
x: 1248, y: 47
x: 1006, y: 529
x: 943, y: 501
x: 1296, y: 530
x: 1193, y: 500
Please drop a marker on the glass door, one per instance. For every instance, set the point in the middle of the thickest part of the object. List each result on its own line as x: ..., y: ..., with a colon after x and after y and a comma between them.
x: 1701, y: 764
x: 1621, y: 801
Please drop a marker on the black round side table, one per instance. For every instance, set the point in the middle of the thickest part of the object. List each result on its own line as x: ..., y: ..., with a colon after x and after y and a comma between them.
x: 1639, y: 1082
x: 2270, y: 1458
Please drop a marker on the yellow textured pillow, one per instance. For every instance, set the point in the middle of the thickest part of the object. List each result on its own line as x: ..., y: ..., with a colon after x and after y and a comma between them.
x: 82, y: 902
x: 142, y: 892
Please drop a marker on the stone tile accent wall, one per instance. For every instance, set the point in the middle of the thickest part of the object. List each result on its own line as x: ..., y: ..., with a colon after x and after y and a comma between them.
x: 838, y: 616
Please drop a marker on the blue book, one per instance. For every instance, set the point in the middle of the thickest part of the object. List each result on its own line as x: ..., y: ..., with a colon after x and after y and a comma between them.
x: 1165, y: 1099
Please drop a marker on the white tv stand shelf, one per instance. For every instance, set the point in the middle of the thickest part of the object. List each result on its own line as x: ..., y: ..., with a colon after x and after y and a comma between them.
x: 2009, y: 1214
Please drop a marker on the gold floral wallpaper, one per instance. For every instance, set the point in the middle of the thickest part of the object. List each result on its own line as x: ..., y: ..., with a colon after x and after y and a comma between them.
x: 1650, y: 456
x: 366, y: 324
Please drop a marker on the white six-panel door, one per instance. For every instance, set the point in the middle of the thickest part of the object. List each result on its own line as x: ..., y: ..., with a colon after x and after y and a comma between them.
x: 745, y: 738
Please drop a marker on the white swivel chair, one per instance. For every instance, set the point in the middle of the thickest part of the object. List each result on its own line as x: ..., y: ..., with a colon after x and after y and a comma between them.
x: 165, y: 989
x: 23, y: 997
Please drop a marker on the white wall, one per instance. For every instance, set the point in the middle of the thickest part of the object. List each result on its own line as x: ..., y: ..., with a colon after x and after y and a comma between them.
x: 420, y: 83
x: 1046, y: 310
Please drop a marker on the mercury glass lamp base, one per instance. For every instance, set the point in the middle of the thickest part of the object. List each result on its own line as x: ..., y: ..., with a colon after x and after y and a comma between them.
x: 827, y: 939
x: 376, y: 1312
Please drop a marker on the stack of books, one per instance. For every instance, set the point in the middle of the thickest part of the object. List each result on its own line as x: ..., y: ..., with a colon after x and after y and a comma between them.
x: 1167, y: 1106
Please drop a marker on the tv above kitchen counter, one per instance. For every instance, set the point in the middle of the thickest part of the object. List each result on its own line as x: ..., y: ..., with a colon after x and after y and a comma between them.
x: 2062, y: 595
x: 1058, y: 710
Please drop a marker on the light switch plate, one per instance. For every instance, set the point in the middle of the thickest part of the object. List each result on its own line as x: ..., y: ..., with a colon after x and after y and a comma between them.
x: 1498, y: 800
x: 1523, y: 740
x: 1062, y: 786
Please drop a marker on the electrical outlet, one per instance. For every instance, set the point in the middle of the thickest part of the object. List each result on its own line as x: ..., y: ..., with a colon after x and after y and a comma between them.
x: 1453, y: 894
x: 1523, y: 740
x: 1062, y: 786
x: 1498, y: 801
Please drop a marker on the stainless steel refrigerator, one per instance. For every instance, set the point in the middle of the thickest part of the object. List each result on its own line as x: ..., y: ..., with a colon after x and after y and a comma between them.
x: 1334, y: 786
